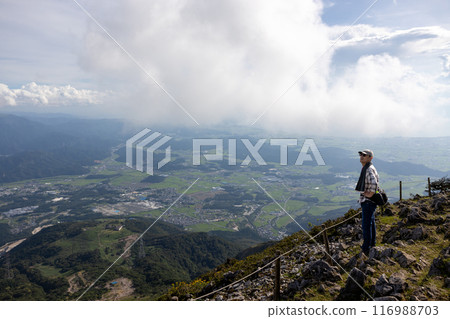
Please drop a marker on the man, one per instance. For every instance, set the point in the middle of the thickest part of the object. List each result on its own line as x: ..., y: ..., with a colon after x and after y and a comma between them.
x: 367, y: 186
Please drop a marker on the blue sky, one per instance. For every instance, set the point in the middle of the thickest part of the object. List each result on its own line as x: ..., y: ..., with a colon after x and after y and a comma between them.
x: 273, y: 64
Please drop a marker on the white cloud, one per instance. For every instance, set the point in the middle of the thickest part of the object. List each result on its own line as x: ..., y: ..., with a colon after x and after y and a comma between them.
x: 223, y: 60
x: 45, y: 95
x: 446, y: 64
x: 378, y: 96
x: 409, y: 41
x: 227, y: 61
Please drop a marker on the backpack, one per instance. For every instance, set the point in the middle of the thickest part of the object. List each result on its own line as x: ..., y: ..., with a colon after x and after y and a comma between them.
x: 380, y: 198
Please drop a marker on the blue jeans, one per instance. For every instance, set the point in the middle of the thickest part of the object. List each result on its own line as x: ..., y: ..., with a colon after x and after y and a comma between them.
x: 368, y: 224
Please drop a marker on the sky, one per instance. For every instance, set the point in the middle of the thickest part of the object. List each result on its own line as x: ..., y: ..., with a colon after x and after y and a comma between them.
x: 306, y: 67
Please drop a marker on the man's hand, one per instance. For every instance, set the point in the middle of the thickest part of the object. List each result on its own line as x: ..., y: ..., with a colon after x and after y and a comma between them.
x: 368, y: 194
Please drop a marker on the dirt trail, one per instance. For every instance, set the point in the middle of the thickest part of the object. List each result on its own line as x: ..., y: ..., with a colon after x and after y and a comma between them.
x: 76, y: 282
x: 129, y: 240
x: 122, y: 288
x: 38, y: 229
x: 7, y: 247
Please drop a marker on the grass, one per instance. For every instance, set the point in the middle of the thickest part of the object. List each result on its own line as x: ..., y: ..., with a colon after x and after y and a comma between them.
x: 48, y: 271
x: 128, y: 177
x: 320, y: 210
x: 272, y: 208
x: 390, y: 220
x: 93, y: 238
x: 263, y: 219
x: 283, y: 221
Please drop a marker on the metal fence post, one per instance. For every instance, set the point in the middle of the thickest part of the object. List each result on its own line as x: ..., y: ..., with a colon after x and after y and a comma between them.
x: 429, y: 187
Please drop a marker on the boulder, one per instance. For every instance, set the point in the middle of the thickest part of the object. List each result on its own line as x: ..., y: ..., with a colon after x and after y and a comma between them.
x: 415, y: 216
x: 375, y: 252
x: 352, y: 262
x: 383, y: 287
x: 352, y: 289
x: 320, y: 270
x: 419, y: 233
x: 388, y: 212
x: 392, y: 234
x: 441, y: 265
x: 416, y: 233
x: 438, y: 204
x: 388, y: 252
x: 404, y: 212
x: 405, y: 260
x: 398, y: 282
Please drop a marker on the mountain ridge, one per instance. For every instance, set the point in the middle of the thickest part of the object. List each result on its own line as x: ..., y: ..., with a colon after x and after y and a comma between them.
x: 410, y: 262
x: 61, y: 261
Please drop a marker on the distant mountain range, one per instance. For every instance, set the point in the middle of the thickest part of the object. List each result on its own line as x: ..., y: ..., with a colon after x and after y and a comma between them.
x: 338, y: 159
x: 49, y: 147
x: 35, y: 146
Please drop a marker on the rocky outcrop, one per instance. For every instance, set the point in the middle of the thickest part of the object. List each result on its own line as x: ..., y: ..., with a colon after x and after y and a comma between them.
x: 403, y: 266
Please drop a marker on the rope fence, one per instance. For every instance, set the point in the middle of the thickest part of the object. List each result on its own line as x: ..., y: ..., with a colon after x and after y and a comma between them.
x: 278, y: 258
x: 279, y: 255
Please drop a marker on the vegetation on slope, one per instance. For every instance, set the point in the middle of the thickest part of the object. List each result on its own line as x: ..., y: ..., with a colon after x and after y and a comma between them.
x: 410, y: 262
x: 60, y: 262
